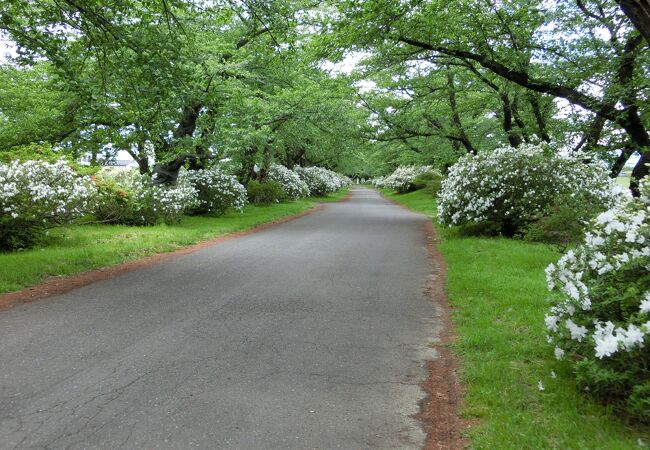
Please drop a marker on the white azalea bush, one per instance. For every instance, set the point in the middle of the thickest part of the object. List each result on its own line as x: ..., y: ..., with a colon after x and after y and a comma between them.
x: 379, y: 182
x: 600, y: 313
x: 403, y: 179
x: 216, y: 191
x: 511, y: 188
x: 37, y: 195
x: 322, y: 181
x: 128, y: 197
x: 293, y: 186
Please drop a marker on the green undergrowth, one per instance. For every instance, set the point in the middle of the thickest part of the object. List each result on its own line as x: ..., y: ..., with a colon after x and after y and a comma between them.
x: 333, y: 197
x: 497, y: 288
x: 78, y: 248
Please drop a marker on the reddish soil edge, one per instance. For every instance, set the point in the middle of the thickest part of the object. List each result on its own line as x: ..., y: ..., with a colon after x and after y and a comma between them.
x: 62, y: 284
x: 440, y: 410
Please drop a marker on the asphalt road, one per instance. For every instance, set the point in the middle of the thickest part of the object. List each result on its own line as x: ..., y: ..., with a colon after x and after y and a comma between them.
x: 310, y: 334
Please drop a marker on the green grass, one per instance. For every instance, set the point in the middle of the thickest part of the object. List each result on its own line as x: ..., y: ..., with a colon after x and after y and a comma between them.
x: 498, y: 289
x: 78, y: 248
x: 335, y: 197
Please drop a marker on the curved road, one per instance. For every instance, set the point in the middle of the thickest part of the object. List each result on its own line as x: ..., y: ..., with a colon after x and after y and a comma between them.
x: 309, y: 334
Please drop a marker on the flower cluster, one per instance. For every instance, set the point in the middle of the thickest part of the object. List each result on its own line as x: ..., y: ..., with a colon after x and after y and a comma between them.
x: 513, y: 187
x: 322, y: 181
x: 127, y: 197
x: 216, y: 191
x: 293, y: 186
x: 36, y: 195
x: 403, y: 178
x: 600, y: 313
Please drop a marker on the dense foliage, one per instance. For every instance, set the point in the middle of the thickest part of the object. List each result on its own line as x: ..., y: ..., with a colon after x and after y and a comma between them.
x: 514, y: 187
x: 403, y: 178
x: 294, y: 187
x: 600, y: 313
x: 37, y: 195
x: 264, y: 192
x: 128, y: 197
x: 216, y: 191
x: 321, y: 181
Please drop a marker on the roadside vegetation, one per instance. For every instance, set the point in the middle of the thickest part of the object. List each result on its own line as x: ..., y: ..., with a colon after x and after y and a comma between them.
x: 506, y: 121
x: 498, y: 290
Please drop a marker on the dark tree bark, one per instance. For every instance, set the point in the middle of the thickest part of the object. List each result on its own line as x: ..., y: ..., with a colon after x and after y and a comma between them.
x: 625, y: 155
x: 508, y: 108
x: 513, y: 137
x: 638, y: 11
x: 455, y: 116
x: 539, y: 117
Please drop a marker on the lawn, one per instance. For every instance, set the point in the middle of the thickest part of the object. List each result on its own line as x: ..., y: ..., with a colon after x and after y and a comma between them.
x: 78, y: 248
x: 498, y: 289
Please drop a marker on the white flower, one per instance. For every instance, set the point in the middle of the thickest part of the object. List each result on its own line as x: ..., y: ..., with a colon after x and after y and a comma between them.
x: 577, y: 332
x: 551, y: 322
x: 645, y: 304
x: 559, y: 353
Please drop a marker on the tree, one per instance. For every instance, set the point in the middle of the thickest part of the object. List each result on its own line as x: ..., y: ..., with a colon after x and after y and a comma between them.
x: 586, y: 53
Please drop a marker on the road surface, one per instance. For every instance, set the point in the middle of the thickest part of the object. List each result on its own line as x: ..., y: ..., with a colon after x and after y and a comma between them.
x: 309, y: 334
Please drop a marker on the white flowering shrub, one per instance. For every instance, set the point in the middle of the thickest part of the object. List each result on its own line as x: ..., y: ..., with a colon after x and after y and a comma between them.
x: 379, y: 182
x: 216, y: 191
x: 403, y: 178
x: 293, y: 186
x: 322, y: 181
x: 36, y: 195
x: 600, y: 313
x: 127, y: 197
x: 513, y: 187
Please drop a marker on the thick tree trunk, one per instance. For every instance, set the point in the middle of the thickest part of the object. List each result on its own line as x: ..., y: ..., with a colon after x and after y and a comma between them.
x: 638, y: 11
x: 513, y: 137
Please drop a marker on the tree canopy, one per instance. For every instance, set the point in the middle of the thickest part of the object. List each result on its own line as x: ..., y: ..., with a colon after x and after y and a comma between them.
x: 178, y: 83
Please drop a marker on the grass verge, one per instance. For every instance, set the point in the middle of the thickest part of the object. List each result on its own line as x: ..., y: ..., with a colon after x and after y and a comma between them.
x: 334, y: 197
x: 497, y: 288
x: 78, y: 248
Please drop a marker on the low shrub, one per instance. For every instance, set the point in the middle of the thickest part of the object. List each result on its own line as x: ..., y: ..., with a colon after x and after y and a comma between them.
x: 37, y: 195
x: 127, y: 197
x: 322, y: 181
x: 600, y: 307
x: 430, y: 182
x: 265, y: 192
x: 565, y: 222
x: 294, y: 187
x: 216, y: 191
x: 514, y: 187
x: 402, y: 180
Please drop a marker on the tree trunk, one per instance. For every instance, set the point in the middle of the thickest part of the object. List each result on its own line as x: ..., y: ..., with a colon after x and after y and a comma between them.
x: 618, y: 165
x: 513, y: 137
x: 539, y: 117
x: 638, y: 11
x: 455, y: 116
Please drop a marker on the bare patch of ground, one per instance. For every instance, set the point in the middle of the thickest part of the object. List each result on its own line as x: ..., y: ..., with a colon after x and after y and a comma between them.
x: 440, y: 410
